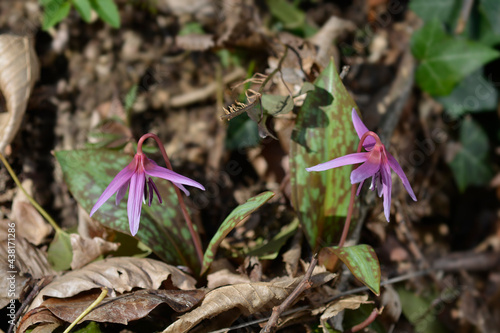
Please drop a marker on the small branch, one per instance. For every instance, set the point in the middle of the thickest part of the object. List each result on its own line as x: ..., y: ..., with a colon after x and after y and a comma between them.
x: 278, y: 310
x: 464, y: 16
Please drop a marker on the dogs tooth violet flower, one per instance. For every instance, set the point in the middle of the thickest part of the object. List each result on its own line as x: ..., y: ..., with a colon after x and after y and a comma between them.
x: 377, y: 163
x: 137, y: 178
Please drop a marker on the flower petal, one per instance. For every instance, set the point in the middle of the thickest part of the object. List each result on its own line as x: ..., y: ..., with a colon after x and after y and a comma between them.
x: 385, y: 177
x: 361, y: 129
x: 182, y: 188
x: 367, y: 169
x: 134, y: 204
x: 399, y: 171
x: 340, y: 161
x: 121, y: 192
x: 154, y: 170
x: 119, y: 181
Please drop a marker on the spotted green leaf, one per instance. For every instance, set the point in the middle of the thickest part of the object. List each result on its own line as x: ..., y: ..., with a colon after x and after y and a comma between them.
x: 324, y: 131
x: 362, y: 262
x: 88, y: 172
x: 236, y: 216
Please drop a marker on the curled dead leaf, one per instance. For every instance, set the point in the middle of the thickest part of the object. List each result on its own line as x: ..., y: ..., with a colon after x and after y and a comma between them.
x: 43, y: 318
x: 119, y: 275
x: 242, y: 299
x: 19, y: 69
x: 87, y: 249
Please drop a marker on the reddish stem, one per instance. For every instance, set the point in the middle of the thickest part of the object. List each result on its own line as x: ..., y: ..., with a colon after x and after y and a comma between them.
x: 347, y: 223
x: 194, y: 234
x: 370, y: 319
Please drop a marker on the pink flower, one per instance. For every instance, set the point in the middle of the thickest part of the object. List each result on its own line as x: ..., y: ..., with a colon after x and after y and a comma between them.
x: 137, y: 174
x: 377, y: 163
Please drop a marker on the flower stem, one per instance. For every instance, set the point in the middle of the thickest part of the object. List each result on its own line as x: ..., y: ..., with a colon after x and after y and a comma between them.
x: 31, y: 200
x: 194, y: 234
x: 347, y: 223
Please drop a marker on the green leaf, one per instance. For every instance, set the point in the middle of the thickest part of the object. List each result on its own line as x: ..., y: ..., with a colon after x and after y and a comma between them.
x: 54, y: 11
x: 491, y: 10
x: 83, y: 7
x: 236, y: 216
x: 444, y: 60
x: 288, y: 14
x: 107, y: 11
x: 191, y: 28
x: 362, y: 262
x: 470, y: 165
x: 323, y: 131
x: 60, y: 252
x: 242, y: 132
x: 92, y: 327
x: 277, y: 104
x: 473, y: 94
x: 420, y: 313
x: 270, y: 250
x: 163, y: 229
x: 431, y: 9
x: 130, y: 98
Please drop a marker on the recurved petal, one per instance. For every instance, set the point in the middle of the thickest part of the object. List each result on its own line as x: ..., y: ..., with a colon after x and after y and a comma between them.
x: 399, y: 171
x: 367, y: 169
x: 340, y: 161
x: 134, y: 205
x: 362, y: 129
x: 121, y: 192
x: 120, y: 179
x: 152, y: 169
x: 182, y: 188
x: 385, y: 173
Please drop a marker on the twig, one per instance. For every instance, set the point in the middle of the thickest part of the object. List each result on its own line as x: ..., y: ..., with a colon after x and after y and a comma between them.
x: 464, y: 16
x: 87, y: 310
x: 278, y: 310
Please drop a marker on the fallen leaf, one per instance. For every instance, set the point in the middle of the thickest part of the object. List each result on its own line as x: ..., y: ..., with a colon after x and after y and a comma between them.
x: 87, y: 249
x: 124, y: 308
x: 19, y: 69
x: 29, y: 223
x: 119, y: 274
x: 242, y: 299
x: 349, y: 302
x: 39, y: 316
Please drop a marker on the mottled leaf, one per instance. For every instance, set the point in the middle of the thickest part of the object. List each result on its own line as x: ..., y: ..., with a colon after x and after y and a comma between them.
x: 236, y: 216
x: 362, y: 262
x: 60, y: 252
x: 277, y: 104
x: 163, y: 229
x: 324, y: 131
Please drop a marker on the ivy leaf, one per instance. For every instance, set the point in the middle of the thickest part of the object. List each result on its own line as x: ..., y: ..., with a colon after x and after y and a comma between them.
x: 60, y: 252
x: 470, y: 165
x: 444, y: 60
x: 107, y: 11
x: 419, y: 311
x: 362, y: 262
x: 83, y: 7
x: 323, y: 132
x: 163, y: 229
x: 431, y: 9
x: 473, y: 94
x: 236, y: 216
x: 491, y: 10
x: 54, y: 11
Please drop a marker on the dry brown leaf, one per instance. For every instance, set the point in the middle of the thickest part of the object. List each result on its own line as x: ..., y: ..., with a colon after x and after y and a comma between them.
x: 38, y: 316
x: 19, y: 69
x: 29, y: 223
x: 124, y: 308
x: 246, y: 299
x: 119, y: 274
x: 30, y: 261
x: 195, y: 42
x: 86, y: 249
x: 349, y: 302
x: 225, y: 277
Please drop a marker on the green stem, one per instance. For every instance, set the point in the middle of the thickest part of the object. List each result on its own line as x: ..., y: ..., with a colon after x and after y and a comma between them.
x: 87, y: 310
x: 194, y: 234
x: 33, y: 202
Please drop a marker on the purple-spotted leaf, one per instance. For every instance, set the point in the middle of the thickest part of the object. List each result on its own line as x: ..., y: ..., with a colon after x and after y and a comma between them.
x: 88, y: 172
x: 323, y: 132
x: 236, y: 216
x: 362, y: 262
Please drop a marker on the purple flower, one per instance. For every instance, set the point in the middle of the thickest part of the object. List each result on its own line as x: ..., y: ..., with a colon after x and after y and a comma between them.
x: 137, y: 174
x: 377, y: 163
